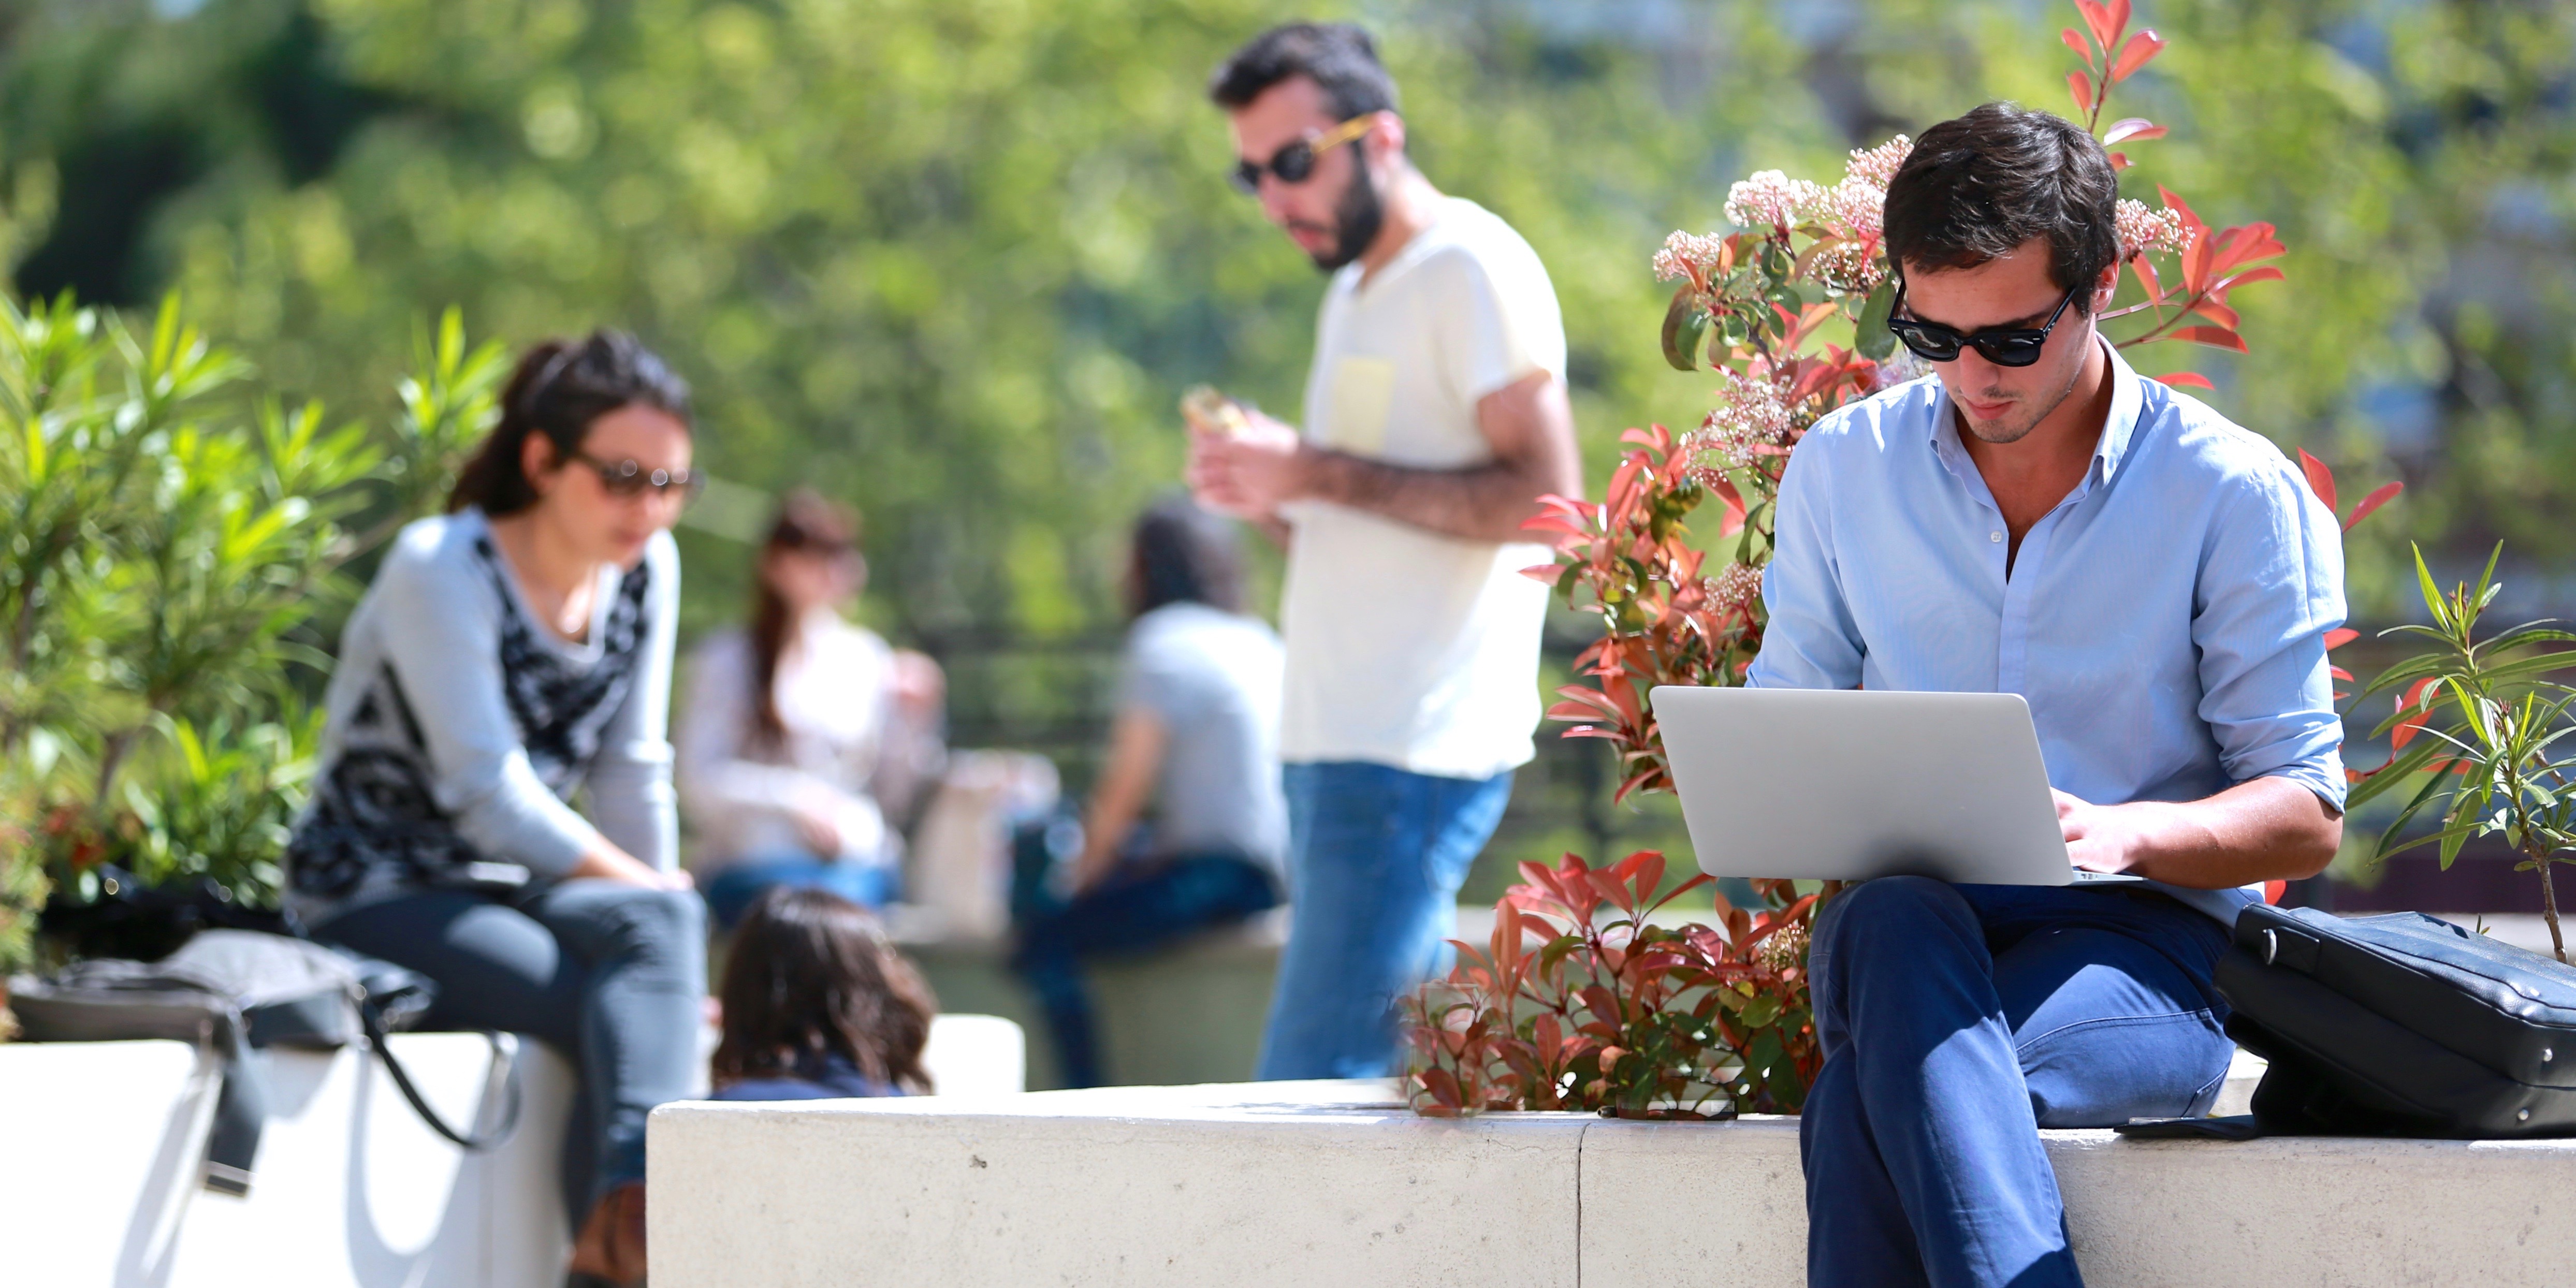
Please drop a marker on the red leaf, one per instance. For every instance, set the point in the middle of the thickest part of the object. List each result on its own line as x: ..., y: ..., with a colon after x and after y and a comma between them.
x: 2146, y: 274
x: 2273, y: 890
x: 2214, y: 337
x: 2196, y: 262
x: 2208, y: 306
x: 2119, y: 161
x: 2097, y: 19
x: 2134, y: 55
x: 2188, y: 380
x: 2081, y: 86
x: 2132, y: 127
x: 2385, y: 493
x: 2320, y: 479
x: 2119, y: 19
x: 1734, y: 521
x: 2340, y: 674
x: 2179, y: 206
x: 2076, y: 43
x: 2404, y: 731
x: 2341, y: 635
x: 2266, y: 273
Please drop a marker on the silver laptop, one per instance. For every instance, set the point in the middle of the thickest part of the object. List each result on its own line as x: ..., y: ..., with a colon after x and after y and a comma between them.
x: 1846, y: 785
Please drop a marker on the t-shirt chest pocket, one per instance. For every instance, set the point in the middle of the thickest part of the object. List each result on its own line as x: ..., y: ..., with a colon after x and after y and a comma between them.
x: 1362, y: 391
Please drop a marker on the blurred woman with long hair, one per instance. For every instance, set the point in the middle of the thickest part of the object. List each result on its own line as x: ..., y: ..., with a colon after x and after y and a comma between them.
x: 804, y: 732
x: 511, y: 654
x: 1194, y: 744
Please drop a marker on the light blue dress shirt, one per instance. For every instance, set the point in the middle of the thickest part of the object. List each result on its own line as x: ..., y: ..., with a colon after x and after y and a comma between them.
x: 2165, y: 621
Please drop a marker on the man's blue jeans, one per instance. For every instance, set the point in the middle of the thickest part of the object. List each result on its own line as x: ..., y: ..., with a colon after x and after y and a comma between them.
x: 1956, y: 1022
x: 1140, y: 908
x: 1375, y: 858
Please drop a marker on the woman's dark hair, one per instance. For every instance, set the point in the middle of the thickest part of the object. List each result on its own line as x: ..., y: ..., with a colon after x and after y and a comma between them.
x: 1338, y: 57
x: 1979, y: 186
x: 1185, y: 554
x: 559, y: 388
x: 809, y: 976
x: 806, y: 523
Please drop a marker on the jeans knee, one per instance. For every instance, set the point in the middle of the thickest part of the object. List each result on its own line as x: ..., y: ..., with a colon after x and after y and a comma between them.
x: 662, y: 925
x: 1890, y: 905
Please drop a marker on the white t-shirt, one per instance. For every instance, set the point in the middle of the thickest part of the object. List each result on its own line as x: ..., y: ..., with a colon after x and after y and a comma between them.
x: 1406, y: 647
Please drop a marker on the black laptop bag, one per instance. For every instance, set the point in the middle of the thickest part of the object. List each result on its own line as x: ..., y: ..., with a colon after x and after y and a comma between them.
x: 2400, y: 1025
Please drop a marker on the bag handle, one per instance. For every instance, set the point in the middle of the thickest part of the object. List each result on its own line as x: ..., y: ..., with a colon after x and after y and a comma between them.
x: 505, y: 1055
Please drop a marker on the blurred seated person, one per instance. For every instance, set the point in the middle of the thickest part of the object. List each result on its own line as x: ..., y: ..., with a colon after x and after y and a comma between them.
x: 805, y: 732
x: 511, y: 654
x: 1196, y: 735
x: 818, y: 1006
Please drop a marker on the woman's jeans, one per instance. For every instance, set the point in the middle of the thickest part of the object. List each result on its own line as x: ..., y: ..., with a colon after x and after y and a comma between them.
x: 1956, y: 1022
x: 730, y: 891
x: 1376, y: 856
x: 611, y: 975
x: 1137, y: 909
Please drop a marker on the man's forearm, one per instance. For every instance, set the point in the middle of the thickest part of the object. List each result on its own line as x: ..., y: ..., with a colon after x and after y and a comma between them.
x: 1481, y: 503
x: 2269, y: 829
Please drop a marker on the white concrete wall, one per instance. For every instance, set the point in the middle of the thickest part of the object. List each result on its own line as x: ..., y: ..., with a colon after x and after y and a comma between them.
x: 101, y: 1142
x: 1307, y: 1183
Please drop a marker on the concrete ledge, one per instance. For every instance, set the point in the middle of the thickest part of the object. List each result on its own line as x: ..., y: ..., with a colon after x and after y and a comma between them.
x: 1301, y: 1183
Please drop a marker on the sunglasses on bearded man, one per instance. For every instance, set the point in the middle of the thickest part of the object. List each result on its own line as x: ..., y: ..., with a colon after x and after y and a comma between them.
x: 2002, y: 346
x: 1294, y: 162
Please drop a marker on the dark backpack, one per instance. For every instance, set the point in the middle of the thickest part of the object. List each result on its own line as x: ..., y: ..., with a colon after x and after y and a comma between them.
x: 2400, y: 1025
x: 236, y: 991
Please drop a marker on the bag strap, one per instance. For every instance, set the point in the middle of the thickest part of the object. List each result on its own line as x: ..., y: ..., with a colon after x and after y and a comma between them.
x: 505, y: 1055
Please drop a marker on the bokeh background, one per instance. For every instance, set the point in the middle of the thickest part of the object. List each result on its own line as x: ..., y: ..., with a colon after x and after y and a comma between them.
x: 955, y: 259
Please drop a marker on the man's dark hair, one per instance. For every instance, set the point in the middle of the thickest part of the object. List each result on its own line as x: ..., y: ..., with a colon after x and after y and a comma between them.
x: 1978, y: 186
x: 1338, y: 57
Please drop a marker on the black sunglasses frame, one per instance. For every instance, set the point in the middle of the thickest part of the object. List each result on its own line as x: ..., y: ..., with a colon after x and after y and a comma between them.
x: 626, y: 478
x: 2002, y: 346
x: 1294, y: 162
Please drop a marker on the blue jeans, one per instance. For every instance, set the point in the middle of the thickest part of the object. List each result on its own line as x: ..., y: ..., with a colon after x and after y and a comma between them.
x: 612, y: 976
x: 1956, y: 1022
x: 730, y: 891
x: 1375, y: 858
x: 1137, y: 909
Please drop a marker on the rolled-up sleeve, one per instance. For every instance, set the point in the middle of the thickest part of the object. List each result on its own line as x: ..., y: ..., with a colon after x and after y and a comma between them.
x: 1811, y: 641
x: 2271, y: 586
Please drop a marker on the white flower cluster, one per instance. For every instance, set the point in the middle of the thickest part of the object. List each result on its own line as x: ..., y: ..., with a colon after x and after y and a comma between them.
x: 1749, y: 416
x: 1770, y: 199
x: 1849, y: 211
x: 1687, y: 256
x: 2144, y: 230
x: 1739, y: 585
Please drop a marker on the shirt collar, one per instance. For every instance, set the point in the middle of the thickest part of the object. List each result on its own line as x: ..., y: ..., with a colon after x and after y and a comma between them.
x: 2128, y: 403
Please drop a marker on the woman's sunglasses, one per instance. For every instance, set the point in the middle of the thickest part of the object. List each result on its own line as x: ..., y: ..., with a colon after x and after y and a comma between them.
x: 1295, y: 162
x: 2003, y: 346
x: 625, y: 479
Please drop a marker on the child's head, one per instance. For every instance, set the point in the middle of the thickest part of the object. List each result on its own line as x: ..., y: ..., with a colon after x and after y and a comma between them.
x: 809, y: 976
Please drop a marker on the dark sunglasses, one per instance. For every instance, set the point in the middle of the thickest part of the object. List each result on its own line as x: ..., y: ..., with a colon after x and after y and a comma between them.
x: 625, y: 479
x: 2003, y: 346
x: 1295, y: 162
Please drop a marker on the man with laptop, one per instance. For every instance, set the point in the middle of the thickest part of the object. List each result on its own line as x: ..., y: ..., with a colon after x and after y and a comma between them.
x: 2153, y: 582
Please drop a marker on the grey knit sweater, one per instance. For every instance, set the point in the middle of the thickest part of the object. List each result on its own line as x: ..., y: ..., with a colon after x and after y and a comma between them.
x: 459, y: 728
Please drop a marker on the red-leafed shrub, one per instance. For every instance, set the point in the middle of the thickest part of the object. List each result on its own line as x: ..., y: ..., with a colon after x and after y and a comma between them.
x: 1581, y: 1001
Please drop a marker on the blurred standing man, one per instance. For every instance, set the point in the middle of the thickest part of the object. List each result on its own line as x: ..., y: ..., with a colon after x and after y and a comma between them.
x: 1436, y: 416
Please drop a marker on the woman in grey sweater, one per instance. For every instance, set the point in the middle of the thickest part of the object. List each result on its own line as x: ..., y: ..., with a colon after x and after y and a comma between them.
x: 510, y: 653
